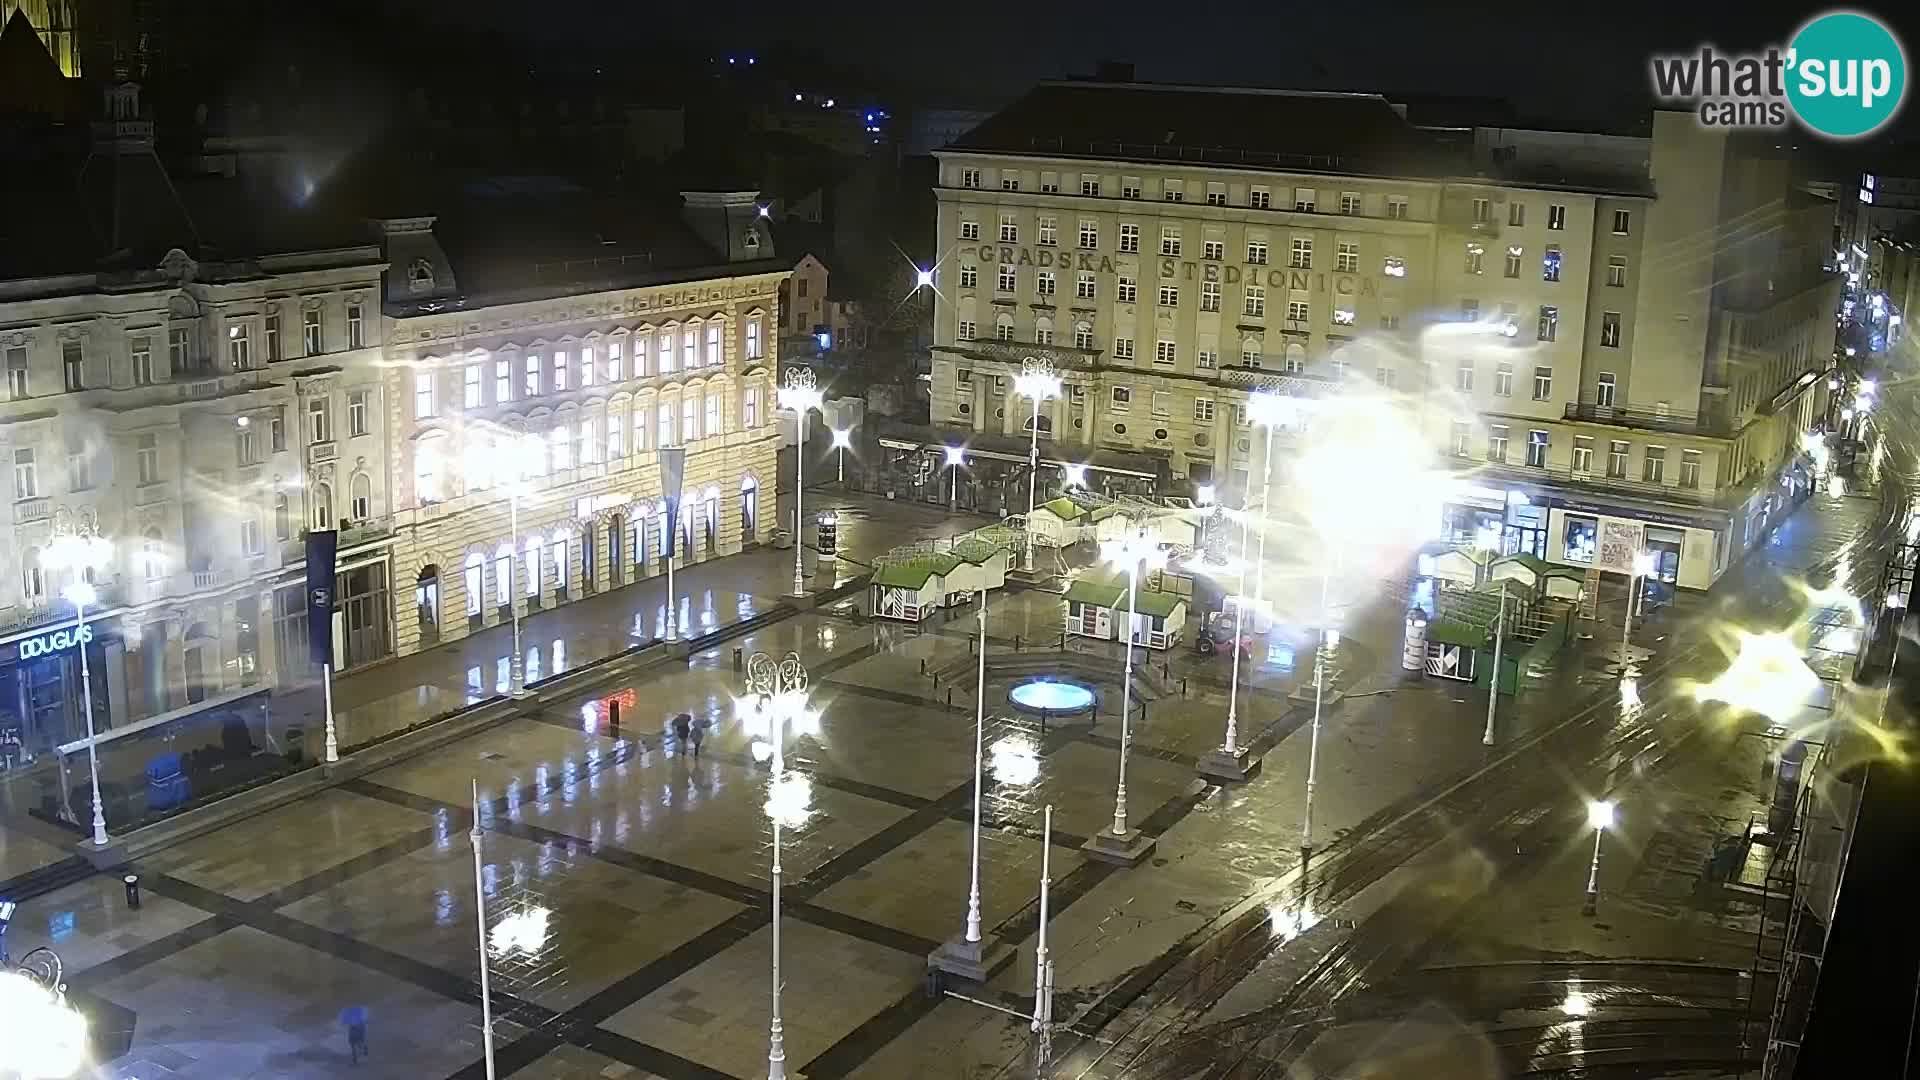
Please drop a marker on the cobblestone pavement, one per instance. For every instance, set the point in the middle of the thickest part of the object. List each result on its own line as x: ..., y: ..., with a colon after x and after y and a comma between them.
x: 632, y: 877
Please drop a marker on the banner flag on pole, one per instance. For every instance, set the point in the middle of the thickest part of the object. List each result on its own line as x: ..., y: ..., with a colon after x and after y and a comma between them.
x: 321, y: 546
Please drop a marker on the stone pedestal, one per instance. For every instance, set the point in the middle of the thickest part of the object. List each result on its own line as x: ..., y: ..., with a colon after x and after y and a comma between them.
x: 974, y: 961
x: 1225, y: 768
x: 1131, y: 849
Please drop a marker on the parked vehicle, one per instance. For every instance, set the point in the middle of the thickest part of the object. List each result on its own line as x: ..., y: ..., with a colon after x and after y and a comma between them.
x: 1216, y: 635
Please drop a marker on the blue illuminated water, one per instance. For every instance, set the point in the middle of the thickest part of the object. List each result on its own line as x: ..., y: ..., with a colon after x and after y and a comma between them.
x: 1044, y: 696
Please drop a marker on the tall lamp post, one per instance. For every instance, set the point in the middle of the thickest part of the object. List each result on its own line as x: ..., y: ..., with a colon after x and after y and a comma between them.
x: 1271, y: 410
x: 1643, y: 565
x: 799, y: 394
x: 1230, y: 760
x: 956, y: 457
x: 1600, y: 817
x: 1120, y: 843
x: 512, y: 461
x: 777, y: 703
x: 1037, y: 381
x: 842, y: 438
x: 81, y: 554
x: 1493, y: 681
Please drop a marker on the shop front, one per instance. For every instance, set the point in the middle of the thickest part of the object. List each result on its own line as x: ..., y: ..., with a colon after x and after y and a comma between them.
x: 1514, y: 518
x: 40, y: 687
x: 1689, y: 552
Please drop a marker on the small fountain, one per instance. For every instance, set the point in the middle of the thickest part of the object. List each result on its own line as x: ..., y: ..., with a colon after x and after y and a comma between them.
x: 1051, y: 699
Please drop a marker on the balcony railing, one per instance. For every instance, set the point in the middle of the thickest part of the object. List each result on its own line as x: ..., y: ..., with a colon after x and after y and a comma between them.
x: 39, y: 508
x: 49, y: 610
x: 1586, y: 478
x: 1648, y: 419
x: 157, y: 492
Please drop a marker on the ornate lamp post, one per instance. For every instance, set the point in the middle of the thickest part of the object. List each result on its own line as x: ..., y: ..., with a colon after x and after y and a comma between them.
x: 798, y: 393
x: 1231, y: 760
x: 41, y: 1036
x: 1120, y: 843
x: 777, y: 702
x: 1037, y: 381
x: 842, y: 438
x: 1600, y: 817
x: 83, y: 553
x: 1271, y: 410
x: 509, y: 463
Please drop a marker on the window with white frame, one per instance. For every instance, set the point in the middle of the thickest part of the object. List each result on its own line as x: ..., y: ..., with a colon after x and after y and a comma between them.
x: 1346, y: 257
x: 470, y: 388
x: 716, y: 354
x: 750, y: 407
x: 1537, y: 448
x: 1009, y: 229
x: 1603, y: 390
x: 1043, y: 332
x: 1254, y: 300
x: 356, y: 326
x: 502, y: 380
x: 1169, y: 239
x: 1209, y: 296
x: 1482, y: 211
x: 18, y: 387
x: 1617, y: 450
x: 1206, y: 359
x: 1049, y: 183
x: 422, y: 395
x: 1129, y: 187
x: 1082, y: 336
x: 270, y: 333
x: 239, y: 348
x: 1497, y: 443
x: 1203, y: 410
x: 1003, y: 327
x: 1044, y: 283
x: 1164, y: 353
x: 616, y: 435
x: 1303, y: 200
x: 1616, y: 271
x: 642, y: 415
x: 1502, y: 380
x: 1173, y: 190
x: 1260, y: 198
x: 532, y: 383
x: 1397, y: 207
x: 1621, y: 220
x: 755, y: 349
x: 1216, y: 193
x: 1169, y: 296
x: 1127, y: 289
x: 1350, y: 203
x: 664, y: 353
x: 1123, y: 348
x: 664, y: 435
x: 1009, y: 181
x: 1008, y: 280
x: 141, y: 348
x: 1302, y: 258
x: 689, y: 417
x: 1089, y: 234
x: 1515, y: 253
x: 319, y: 420
x: 1461, y: 434
x: 1213, y: 250
x: 969, y: 276
x: 1121, y: 399
x: 26, y: 474
x: 1385, y: 376
x: 1161, y: 404
x: 1089, y: 185
x: 1257, y: 252
x: 1556, y: 217
x: 967, y: 330
x: 969, y: 230
x: 1250, y: 354
x: 1653, y: 467
x: 1516, y: 214
x: 1049, y: 229
x: 970, y: 178
x: 689, y: 348
x: 1476, y: 258
x: 1298, y: 311
x: 311, y: 334
x: 1549, y: 327
x: 1083, y: 286
x: 1610, y: 329
x: 1690, y: 469
x: 1582, y: 454
x: 1463, y: 377
x: 1129, y: 237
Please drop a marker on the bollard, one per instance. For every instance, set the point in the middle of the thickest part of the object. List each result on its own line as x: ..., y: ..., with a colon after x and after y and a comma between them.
x: 1183, y: 686
x: 613, y: 714
x: 923, y: 665
x: 969, y: 646
x: 132, y: 882
x: 1016, y: 643
x: 1063, y: 641
x: 949, y: 697
x: 739, y: 659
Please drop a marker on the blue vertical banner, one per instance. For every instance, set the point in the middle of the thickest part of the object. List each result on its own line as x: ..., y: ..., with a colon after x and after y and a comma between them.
x: 321, y: 547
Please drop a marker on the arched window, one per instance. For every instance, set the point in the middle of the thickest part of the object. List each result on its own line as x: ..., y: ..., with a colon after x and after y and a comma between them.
x: 475, y: 580
x: 503, y: 575
x: 360, y: 497
x: 426, y: 601
x: 282, y: 516
x: 429, y: 469
x: 1046, y: 424
x: 749, y: 508
x: 321, y: 505
x: 420, y: 276
x: 1296, y: 358
x: 1003, y: 326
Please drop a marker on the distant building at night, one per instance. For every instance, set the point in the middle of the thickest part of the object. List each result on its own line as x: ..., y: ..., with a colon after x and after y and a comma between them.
x: 1542, y: 302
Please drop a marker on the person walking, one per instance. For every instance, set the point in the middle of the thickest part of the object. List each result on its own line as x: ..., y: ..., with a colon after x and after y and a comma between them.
x: 699, y: 735
x: 354, y: 1018
x: 682, y: 732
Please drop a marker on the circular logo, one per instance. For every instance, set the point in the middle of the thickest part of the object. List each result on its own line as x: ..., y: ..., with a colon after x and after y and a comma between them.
x: 1846, y: 74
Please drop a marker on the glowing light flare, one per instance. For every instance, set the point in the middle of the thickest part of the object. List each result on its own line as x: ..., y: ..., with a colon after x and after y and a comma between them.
x: 1204, y: 494
x: 1600, y: 814
x: 956, y: 455
x: 1576, y: 1004
x: 790, y: 799
x: 76, y: 552
x: 1270, y: 410
x: 1137, y: 550
x: 922, y: 278
x: 81, y: 594
x: 523, y: 931
x: 1015, y: 761
x: 842, y: 438
x: 1768, y: 676
x: 1361, y: 481
x: 1289, y: 923
x: 1037, y: 385
x: 1076, y: 476
x: 41, y: 1036
x: 1630, y: 702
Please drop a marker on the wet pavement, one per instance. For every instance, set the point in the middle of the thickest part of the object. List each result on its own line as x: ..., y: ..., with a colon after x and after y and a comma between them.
x: 631, y: 879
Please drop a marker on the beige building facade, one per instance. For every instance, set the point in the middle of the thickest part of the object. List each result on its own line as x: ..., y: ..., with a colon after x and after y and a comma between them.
x: 1575, y: 336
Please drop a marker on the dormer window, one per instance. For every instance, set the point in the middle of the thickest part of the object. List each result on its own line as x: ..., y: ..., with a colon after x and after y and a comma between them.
x: 420, y: 276
x: 751, y: 241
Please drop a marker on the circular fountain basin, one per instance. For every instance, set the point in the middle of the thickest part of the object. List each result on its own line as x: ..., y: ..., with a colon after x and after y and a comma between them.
x: 1051, y: 697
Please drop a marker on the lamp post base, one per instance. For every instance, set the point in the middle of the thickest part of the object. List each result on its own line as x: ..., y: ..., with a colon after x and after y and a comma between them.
x: 1226, y: 768
x: 1130, y: 849
x: 1592, y: 904
x: 972, y: 961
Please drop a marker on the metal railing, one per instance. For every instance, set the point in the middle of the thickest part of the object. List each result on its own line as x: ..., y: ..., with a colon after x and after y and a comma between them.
x: 1648, y: 419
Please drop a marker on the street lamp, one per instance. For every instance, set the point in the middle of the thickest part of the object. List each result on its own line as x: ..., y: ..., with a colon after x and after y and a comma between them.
x: 1271, y: 410
x: 41, y: 1036
x: 82, y: 555
x: 508, y: 462
x: 1076, y: 476
x: 966, y: 956
x: 842, y: 438
x: 480, y: 915
x: 1136, y: 553
x: 1230, y: 760
x: 1037, y: 381
x: 1600, y: 818
x: 1643, y: 565
x: 777, y: 702
x: 799, y: 394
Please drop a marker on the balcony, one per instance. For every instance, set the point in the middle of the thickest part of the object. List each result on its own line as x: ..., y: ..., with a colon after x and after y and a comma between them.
x: 1649, y: 419
x: 158, y: 491
x: 322, y: 451
x: 1582, y: 478
x: 39, y: 508
x: 1265, y: 379
x: 1013, y: 352
x: 46, y: 610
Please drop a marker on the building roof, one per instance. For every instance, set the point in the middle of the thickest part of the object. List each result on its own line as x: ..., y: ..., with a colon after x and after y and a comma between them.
x: 1108, y: 589
x: 1361, y: 134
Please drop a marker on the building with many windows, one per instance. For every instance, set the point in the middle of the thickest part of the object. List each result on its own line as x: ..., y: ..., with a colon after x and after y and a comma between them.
x: 1589, y: 326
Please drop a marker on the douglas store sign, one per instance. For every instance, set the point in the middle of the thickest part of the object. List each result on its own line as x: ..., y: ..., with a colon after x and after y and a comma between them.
x: 54, y: 642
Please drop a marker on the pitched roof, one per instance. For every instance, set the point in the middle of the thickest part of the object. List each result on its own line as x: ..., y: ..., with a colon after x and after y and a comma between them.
x: 1359, y: 134
x: 29, y: 79
x: 1108, y: 589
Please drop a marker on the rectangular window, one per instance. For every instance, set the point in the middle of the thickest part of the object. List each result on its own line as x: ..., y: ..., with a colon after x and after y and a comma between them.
x: 1303, y: 200
x: 1346, y: 258
x: 1397, y: 207
x: 1621, y: 219
x: 754, y: 351
x: 252, y: 542
x: 1302, y: 258
x: 664, y: 437
x: 1169, y: 296
x: 532, y: 383
x: 1469, y: 309
x: 142, y: 349
x: 1550, y: 264
x: 1083, y: 337
x: 1162, y: 404
x: 1610, y: 329
x: 1164, y: 353
x: 1123, y: 348
x: 1044, y: 283
x: 1654, y: 469
x: 1617, y: 271
x: 1089, y: 185
x: 1049, y: 231
x: 1537, y: 449
x: 616, y: 424
x: 422, y: 395
x: 357, y: 412
x: 1008, y: 280
x: 79, y: 464
x: 1617, y: 459
x: 73, y: 371
x: 1122, y: 399
x: 1476, y: 259
x: 1129, y: 238
x: 502, y: 381
x: 663, y: 352
x: 689, y: 349
x: 1503, y: 380
x: 1393, y: 266
x: 277, y: 430
x: 1463, y: 378
x: 969, y: 230
x: 1128, y: 289
x: 1209, y: 296
x: 1497, y: 443
x: 1514, y: 256
x: 1583, y: 539
x: 1516, y: 214
x: 969, y: 277
x: 272, y: 336
x: 1482, y: 211
x: 970, y: 178
x: 966, y: 330
x: 1690, y: 469
x: 1169, y: 239
x: 1298, y: 311
x: 1549, y: 328
x: 1203, y: 410
x: 1043, y: 335
x: 1254, y: 301
x: 1583, y: 453
x: 246, y: 445
x: 1260, y: 198
x: 1003, y: 330
x: 750, y: 407
x: 1129, y: 187
x: 146, y: 459
x: 1603, y: 390
x: 1173, y: 191
x: 1083, y: 287
x: 319, y: 420
x: 239, y: 348
x: 1009, y: 182
x: 1343, y: 316
x: 1350, y: 203
x: 1250, y: 354
x: 1459, y: 438
x: 589, y: 366
x: 311, y: 336
x: 17, y: 385
x: 470, y: 392
x: 689, y: 418
x: 1216, y: 194
x: 1206, y: 359
x: 639, y: 428
x: 1213, y: 250
x: 1543, y: 384
x: 1556, y: 217
x: 1009, y: 229
x: 1385, y: 376
x: 1089, y: 234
